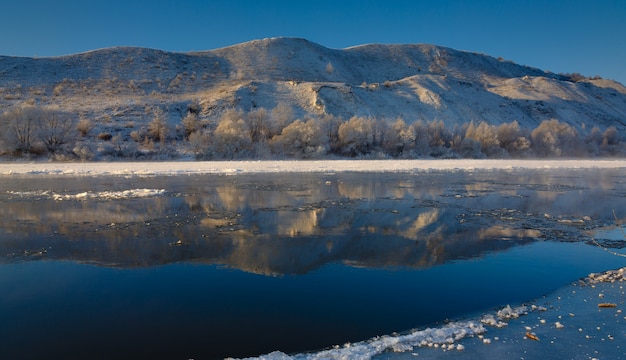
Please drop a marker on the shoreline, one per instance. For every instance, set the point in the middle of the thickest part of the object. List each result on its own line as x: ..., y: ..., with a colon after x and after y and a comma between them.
x: 183, y: 167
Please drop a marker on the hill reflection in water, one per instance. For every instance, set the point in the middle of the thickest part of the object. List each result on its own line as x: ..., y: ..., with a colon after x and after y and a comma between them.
x: 292, y: 224
x: 111, y: 267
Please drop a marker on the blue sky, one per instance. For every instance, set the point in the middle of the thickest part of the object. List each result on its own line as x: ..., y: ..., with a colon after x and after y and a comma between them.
x: 586, y: 36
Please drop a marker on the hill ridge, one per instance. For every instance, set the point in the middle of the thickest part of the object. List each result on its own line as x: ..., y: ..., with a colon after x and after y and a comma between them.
x: 385, y: 81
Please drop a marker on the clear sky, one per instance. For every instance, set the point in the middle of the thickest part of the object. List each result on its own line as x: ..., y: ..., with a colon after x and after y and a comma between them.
x: 586, y: 36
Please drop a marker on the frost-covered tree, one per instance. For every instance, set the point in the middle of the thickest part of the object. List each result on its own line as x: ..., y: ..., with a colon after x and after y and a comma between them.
x: 300, y: 139
x: 199, y: 143
x: 421, y: 145
x: 330, y: 129
x: 231, y: 138
x: 486, y: 135
x: 356, y: 136
x: 281, y: 116
x: 554, y: 138
x: 513, y: 139
x: 399, y: 138
x: 158, y: 129
x: 191, y: 124
x: 439, y: 139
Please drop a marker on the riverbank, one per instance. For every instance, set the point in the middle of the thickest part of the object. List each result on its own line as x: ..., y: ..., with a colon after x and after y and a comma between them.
x: 292, y: 166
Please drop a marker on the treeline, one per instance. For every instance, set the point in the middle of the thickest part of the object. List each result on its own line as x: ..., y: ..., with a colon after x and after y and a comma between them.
x: 265, y: 134
x: 271, y: 134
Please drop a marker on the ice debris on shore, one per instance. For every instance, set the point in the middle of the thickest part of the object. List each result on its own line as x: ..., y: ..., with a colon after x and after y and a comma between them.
x: 607, y: 276
x: 445, y: 337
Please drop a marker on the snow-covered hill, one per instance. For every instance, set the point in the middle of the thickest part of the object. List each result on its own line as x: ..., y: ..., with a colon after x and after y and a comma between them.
x: 413, y: 82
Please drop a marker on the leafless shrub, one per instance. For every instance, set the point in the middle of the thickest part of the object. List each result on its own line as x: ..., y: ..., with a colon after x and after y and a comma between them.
x: 20, y: 124
x: 56, y: 129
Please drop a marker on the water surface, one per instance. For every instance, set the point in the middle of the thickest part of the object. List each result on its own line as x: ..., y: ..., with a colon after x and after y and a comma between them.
x: 208, y: 266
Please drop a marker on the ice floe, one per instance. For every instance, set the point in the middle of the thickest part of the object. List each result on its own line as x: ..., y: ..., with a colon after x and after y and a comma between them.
x: 90, y: 195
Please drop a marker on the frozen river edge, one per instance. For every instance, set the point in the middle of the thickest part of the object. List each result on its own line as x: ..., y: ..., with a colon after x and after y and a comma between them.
x: 170, y: 168
x: 584, y: 320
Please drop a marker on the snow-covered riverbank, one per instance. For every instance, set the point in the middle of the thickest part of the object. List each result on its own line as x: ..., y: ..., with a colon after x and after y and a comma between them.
x: 237, y: 167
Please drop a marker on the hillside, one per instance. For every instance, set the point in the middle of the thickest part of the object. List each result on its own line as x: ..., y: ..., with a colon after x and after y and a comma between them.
x: 119, y: 88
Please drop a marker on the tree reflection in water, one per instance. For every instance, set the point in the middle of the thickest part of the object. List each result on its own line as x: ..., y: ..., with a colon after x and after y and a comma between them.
x: 343, y: 257
x: 292, y: 224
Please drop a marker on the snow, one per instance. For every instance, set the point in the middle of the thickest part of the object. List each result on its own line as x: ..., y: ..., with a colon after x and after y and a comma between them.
x: 572, y: 325
x: 90, y: 195
x: 410, y: 81
x: 171, y: 168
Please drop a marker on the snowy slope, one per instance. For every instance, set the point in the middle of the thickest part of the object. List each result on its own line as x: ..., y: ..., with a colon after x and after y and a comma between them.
x: 414, y: 82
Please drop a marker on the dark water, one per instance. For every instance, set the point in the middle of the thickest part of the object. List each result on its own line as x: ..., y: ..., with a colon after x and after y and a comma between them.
x: 243, y: 265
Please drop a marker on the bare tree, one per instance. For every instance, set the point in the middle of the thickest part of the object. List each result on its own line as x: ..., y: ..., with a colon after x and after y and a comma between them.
x: 259, y: 126
x: 55, y: 129
x: 20, y: 123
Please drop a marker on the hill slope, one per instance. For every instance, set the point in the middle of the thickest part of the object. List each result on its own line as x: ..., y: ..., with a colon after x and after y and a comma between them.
x: 384, y: 81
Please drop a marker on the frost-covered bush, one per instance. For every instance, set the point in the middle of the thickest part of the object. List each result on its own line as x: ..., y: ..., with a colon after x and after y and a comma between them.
x: 199, y: 143
x: 158, y: 128
x: 329, y: 125
x: 421, y: 145
x: 513, y: 139
x: 281, y: 116
x: 554, y: 138
x: 231, y: 138
x: 356, y: 136
x: 191, y: 124
x: 300, y: 139
x: 399, y: 138
x: 486, y: 135
x: 470, y: 148
x: 84, y: 127
x: 83, y: 151
x: 259, y: 125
